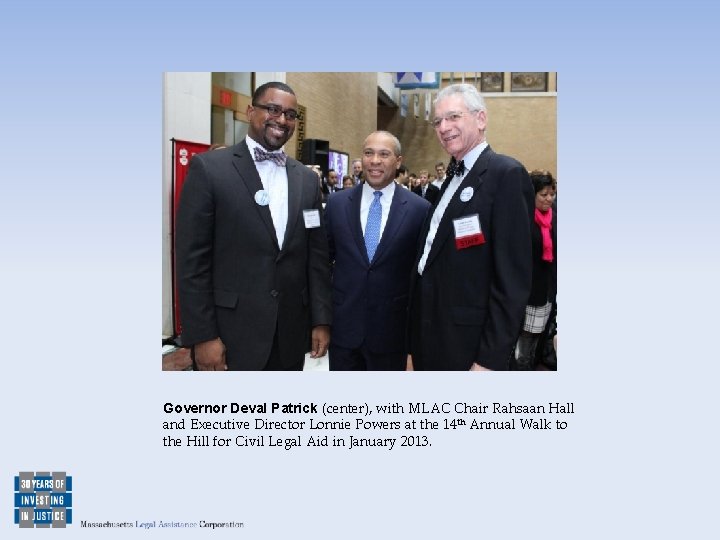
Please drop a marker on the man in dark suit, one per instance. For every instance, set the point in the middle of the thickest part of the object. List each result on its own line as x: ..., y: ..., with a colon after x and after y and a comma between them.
x: 425, y: 189
x: 251, y: 249
x: 440, y: 173
x: 473, y: 269
x: 332, y: 181
x: 357, y: 171
x: 373, y: 232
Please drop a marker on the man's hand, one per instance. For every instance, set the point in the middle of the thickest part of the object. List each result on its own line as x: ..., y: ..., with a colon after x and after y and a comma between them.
x: 478, y: 367
x: 409, y: 365
x: 210, y: 355
x: 320, y: 341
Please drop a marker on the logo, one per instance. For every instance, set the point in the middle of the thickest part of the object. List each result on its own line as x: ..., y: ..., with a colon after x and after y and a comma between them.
x: 43, y: 499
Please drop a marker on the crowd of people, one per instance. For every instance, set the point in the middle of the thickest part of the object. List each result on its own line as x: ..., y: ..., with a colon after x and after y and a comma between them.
x: 447, y: 268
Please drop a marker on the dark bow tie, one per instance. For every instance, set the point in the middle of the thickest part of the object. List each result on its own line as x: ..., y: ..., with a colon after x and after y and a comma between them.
x: 279, y: 158
x: 455, y: 169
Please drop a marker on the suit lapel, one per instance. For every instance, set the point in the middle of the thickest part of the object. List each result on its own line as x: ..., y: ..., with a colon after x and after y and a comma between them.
x: 352, y: 212
x: 295, y: 186
x: 455, y: 208
x: 398, y: 210
x: 245, y: 167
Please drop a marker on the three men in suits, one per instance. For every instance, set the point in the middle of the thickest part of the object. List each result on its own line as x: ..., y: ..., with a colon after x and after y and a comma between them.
x: 251, y: 249
x: 473, y: 270
x: 373, y: 233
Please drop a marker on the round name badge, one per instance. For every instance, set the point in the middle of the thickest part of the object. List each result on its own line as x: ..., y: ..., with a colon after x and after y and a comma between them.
x: 262, y: 197
x: 466, y: 194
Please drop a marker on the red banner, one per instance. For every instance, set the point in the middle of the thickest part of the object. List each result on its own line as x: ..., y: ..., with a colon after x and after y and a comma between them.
x: 183, y: 151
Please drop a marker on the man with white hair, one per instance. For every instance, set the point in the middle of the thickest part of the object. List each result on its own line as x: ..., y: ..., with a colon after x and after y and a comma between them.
x: 473, y: 269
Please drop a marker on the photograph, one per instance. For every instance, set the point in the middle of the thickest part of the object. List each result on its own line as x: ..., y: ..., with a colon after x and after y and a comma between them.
x: 529, y: 81
x: 272, y: 263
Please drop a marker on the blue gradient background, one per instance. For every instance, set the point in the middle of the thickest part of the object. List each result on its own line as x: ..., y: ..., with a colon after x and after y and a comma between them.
x: 80, y: 200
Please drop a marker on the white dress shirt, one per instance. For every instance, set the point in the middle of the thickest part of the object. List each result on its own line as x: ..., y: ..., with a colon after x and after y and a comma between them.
x: 385, y: 202
x: 275, y: 182
x: 469, y: 159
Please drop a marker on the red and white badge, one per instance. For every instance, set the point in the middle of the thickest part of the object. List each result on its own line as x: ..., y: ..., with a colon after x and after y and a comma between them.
x: 468, y: 232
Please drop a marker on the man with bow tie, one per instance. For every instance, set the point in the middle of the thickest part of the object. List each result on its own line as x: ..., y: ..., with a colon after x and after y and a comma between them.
x: 251, y: 249
x: 473, y: 269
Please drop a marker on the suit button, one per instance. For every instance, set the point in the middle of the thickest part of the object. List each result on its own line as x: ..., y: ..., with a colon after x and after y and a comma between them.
x: 274, y: 293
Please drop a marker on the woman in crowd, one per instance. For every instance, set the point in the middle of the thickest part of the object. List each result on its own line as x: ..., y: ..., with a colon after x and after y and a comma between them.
x: 544, y: 280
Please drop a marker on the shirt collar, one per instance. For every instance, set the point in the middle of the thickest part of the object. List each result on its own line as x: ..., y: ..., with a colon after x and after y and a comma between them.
x: 252, y: 143
x: 472, y: 156
x: 387, y: 191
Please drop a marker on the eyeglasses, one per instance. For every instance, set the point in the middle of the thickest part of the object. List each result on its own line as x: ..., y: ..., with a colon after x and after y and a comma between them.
x: 451, y: 117
x: 275, y: 111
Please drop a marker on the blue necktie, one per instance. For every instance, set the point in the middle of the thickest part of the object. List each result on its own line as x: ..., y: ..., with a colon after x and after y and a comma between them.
x: 372, y: 227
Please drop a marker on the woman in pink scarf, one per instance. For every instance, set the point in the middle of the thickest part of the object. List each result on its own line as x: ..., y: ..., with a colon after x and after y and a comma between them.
x: 544, y: 283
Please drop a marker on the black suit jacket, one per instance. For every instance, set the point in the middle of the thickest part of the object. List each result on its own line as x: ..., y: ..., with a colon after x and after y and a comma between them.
x: 432, y: 193
x: 234, y: 282
x: 370, y: 299
x: 471, y: 302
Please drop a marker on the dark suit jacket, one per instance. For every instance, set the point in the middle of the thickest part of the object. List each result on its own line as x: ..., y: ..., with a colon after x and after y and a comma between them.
x: 370, y: 300
x: 472, y: 301
x: 432, y: 193
x: 234, y: 282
